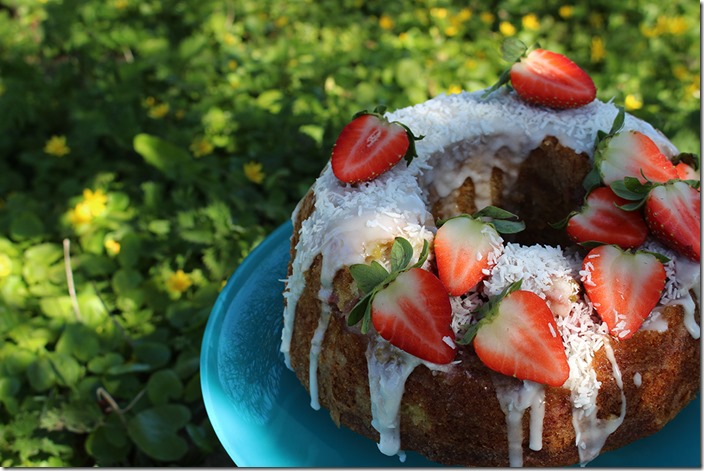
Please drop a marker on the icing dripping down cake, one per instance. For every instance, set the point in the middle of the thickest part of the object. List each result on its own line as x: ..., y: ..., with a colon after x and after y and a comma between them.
x: 530, y: 160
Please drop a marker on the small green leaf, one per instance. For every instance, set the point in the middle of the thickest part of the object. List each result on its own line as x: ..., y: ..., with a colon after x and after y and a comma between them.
x: 155, y: 431
x: 401, y: 254
x: 494, y: 212
x: 512, y: 50
x: 360, y: 309
x: 618, y: 121
x: 154, y: 354
x: 164, y: 385
x: 26, y: 225
x: 41, y: 374
x: 368, y: 277
x: 508, y: 227
x: 592, y: 179
x: 423, y: 255
x: 173, y: 161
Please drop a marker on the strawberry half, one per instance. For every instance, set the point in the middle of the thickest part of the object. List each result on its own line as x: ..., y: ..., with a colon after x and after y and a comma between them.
x: 550, y: 79
x: 414, y: 313
x: 632, y: 154
x: 673, y: 214
x: 370, y: 145
x: 408, y: 306
x: 518, y: 336
x: 466, y: 247
x: 623, y: 287
x: 601, y: 220
x: 545, y: 78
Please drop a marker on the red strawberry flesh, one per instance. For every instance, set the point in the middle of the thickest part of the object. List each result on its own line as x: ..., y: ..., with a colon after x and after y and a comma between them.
x: 623, y: 287
x: 601, y: 220
x: 462, y: 249
x: 673, y: 214
x: 551, y: 79
x: 633, y: 154
x: 367, y: 147
x: 414, y: 313
x: 521, y: 339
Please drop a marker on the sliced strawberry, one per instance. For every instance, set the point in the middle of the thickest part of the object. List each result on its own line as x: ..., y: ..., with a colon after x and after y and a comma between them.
x: 551, y: 79
x: 623, y: 287
x: 518, y: 337
x: 632, y: 154
x: 464, y: 249
x: 370, y: 145
x: 686, y: 172
x: 413, y: 312
x: 601, y: 220
x: 672, y: 212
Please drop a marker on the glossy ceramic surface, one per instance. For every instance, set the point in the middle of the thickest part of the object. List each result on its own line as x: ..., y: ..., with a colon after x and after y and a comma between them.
x: 262, y: 414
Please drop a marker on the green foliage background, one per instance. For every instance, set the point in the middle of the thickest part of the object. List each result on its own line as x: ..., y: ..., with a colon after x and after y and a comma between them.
x: 183, y: 133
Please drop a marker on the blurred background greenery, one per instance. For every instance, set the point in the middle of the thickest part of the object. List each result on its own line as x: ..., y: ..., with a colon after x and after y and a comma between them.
x: 148, y: 145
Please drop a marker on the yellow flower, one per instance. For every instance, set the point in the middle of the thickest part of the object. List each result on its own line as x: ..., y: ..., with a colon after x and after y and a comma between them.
x: 486, y: 17
x: 93, y: 204
x: 680, y: 72
x: 439, y: 12
x: 159, y: 111
x: 120, y: 4
x: 464, y: 14
x: 386, y: 22
x: 112, y: 247
x: 5, y: 266
x: 677, y: 25
x: 531, y: 22
x: 96, y: 201
x: 80, y: 214
x: 232, y: 64
x: 229, y: 39
x: 632, y: 102
x: 566, y: 11
x: 454, y: 89
x: 281, y: 21
x: 507, y: 29
x: 598, y: 49
x: 57, y: 146
x: 253, y: 172
x: 179, y: 281
x: 150, y: 101
x: 451, y: 30
x: 201, y: 147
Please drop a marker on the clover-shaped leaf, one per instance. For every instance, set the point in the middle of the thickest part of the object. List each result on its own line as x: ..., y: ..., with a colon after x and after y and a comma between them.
x: 155, y: 431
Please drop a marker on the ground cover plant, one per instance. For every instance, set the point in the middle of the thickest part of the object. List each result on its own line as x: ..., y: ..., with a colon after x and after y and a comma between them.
x: 148, y: 146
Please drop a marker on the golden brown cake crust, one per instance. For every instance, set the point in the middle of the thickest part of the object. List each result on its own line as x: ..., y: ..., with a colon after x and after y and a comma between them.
x: 454, y: 417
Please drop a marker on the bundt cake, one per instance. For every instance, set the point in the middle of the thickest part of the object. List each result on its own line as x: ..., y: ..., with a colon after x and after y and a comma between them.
x: 478, y: 303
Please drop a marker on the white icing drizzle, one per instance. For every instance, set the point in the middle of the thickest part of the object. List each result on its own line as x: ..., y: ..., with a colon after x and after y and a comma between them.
x: 388, y: 370
x: 655, y: 322
x: 514, y: 400
x: 637, y: 379
x: 592, y: 432
x: 466, y: 136
x: 316, y: 344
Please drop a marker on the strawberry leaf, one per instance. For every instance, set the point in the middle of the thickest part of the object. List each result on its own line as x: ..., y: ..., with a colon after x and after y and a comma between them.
x: 592, y: 179
x: 401, y: 254
x: 512, y: 50
x: 423, y: 256
x: 361, y: 309
x: 368, y: 277
x: 508, y: 227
